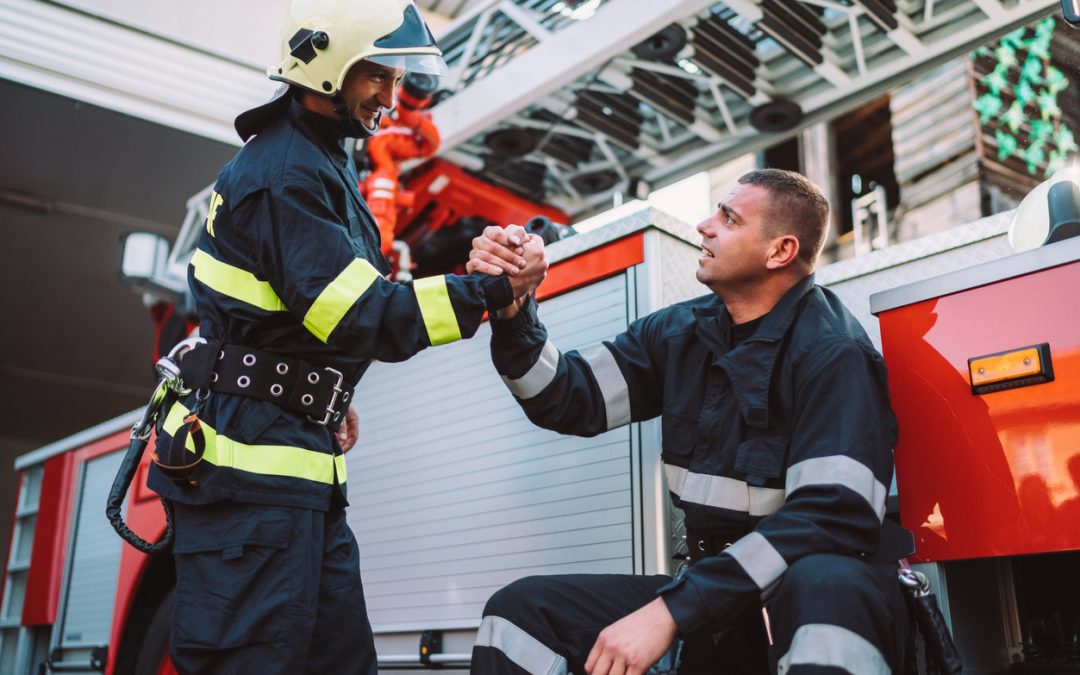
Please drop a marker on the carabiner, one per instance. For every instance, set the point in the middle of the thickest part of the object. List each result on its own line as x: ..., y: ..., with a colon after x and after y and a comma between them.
x: 168, y: 367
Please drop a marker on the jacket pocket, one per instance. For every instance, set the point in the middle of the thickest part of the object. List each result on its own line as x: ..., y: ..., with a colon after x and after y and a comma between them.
x: 234, y: 578
x: 761, y: 458
x: 678, y: 434
x: 251, y: 420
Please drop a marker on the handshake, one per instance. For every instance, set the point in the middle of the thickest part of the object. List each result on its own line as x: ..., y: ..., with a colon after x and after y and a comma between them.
x: 513, y: 251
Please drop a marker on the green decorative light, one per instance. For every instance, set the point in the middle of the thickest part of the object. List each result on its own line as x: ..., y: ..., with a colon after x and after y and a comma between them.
x: 1026, y: 51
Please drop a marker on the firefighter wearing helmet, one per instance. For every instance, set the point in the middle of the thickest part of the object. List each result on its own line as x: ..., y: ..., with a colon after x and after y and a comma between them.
x: 293, y: 305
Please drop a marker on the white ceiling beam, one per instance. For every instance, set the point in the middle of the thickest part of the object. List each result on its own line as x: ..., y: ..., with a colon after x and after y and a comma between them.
x: 527, y: 19
x: 904, y: 39
x: 465, y: 60
x: 991, y: 8
x: 559, y: 60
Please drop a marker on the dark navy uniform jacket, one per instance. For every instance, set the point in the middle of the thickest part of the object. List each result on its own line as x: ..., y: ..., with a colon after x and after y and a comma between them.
x: 781, y: 446
x: 289, y: 262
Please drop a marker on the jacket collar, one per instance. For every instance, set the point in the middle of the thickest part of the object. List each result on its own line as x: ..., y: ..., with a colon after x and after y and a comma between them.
x: 324, y: 132
x: 750, y: 365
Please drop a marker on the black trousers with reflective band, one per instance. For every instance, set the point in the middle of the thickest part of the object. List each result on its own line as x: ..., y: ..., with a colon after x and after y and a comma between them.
x: 264, y: 589
x: 830, y: 614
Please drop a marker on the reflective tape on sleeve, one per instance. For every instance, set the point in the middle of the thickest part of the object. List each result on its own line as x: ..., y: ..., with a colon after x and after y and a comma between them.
x: 234, y: 282
x: 439, y: 318
x: 339, y: 295
x: 539, y: 376
x: 839, y: 470
x: 822, y: 644
x: 722, y: 492
x: 612, y: 384
x: 523, y: 649
x: 267, y: 460
x: 762, y: 563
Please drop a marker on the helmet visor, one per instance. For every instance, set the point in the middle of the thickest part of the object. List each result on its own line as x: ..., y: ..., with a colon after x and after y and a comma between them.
x: 430, y: 64
x: 413, y: 33
x: 410, y: 47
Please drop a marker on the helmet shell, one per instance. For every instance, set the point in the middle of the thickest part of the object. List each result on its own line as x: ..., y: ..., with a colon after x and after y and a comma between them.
x: 322, y: 39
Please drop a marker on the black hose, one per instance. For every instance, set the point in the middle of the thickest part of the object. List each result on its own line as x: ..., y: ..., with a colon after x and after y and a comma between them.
x: 119, y: 490
x: 162, y: 399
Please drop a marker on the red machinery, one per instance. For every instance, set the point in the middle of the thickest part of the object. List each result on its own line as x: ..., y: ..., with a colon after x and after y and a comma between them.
x: 415, y: 218
x: 407, y: 134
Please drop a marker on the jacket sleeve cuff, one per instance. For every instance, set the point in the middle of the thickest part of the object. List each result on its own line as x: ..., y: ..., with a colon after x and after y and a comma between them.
x: 497, y: 291
x: 522, y: 324
x: 685, y: 604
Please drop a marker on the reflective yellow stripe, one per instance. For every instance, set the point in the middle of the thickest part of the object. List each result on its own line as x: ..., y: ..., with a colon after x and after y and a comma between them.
x: 235, y: 282
x: 342, y: 471
x: 267, y: 460
x: 435, y: 307
x: 336, y: 299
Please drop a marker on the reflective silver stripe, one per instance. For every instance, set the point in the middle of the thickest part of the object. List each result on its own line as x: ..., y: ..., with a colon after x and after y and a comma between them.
x: 722, y: 492
x: 839, y: 470
x: 520, y: 647
x: 539, y: 376
x: 611, y: 382
x: 821, y: 644
x: 762, y: 562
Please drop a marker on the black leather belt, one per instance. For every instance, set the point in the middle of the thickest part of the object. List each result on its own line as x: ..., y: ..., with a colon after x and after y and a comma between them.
x: 319, y: 392
x: 895, y: 543
x: 704, y: 546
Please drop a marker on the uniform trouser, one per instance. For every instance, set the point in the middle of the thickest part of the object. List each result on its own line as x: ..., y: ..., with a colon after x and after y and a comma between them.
x: 829, y: 614
x: 264, y: 589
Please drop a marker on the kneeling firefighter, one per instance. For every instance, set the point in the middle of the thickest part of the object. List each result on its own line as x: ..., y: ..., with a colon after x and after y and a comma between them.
x: 293, y: 306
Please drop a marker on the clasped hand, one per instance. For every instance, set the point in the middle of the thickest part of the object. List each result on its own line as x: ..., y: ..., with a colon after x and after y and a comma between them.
x: 514, y: 252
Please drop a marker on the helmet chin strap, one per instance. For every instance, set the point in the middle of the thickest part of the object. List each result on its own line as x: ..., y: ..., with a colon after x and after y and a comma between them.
x: 352, y: 127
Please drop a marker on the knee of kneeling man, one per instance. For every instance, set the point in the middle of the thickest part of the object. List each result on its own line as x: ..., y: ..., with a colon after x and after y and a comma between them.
x: 510, y: 599
x: 823, y: 573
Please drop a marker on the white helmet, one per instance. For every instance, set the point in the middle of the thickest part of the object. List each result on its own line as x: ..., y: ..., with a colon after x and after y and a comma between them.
x: 323, y: 39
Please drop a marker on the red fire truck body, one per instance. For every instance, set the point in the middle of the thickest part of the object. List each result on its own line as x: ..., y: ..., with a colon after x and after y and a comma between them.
x: 994, y: 472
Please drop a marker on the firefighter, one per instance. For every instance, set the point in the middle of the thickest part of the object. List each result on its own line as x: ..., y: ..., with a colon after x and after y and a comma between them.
x: 777, y: 444
x: 293, y: 305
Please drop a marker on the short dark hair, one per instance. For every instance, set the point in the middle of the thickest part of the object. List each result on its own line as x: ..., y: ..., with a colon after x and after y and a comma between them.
x: 799, y: 208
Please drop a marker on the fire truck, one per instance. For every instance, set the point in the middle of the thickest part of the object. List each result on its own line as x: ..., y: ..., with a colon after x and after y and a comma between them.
x: 982, y: 348
x: 986, y: 468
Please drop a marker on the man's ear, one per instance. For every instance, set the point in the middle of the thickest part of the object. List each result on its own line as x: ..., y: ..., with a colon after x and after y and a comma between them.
x: 783, y: 252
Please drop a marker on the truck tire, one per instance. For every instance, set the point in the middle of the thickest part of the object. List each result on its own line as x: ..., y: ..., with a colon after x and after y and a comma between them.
x: 154, y: 652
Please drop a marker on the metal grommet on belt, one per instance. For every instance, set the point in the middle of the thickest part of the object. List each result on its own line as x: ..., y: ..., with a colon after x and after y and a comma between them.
x: 221, y: 355
x: 249, y: 359
x: 276, y: 389
x: 282, y: 368
x: 345, y: 397
x: 213, y: 377
x: 313, y: 377
x: 307, y: 399
x: 243, y: 381
x: 701, y: 545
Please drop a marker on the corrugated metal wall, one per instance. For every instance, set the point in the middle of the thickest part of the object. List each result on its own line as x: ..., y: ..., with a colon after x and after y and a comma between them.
x: 454, y: 493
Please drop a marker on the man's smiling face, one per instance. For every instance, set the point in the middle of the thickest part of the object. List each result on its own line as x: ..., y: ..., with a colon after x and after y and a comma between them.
x: 369, y: 89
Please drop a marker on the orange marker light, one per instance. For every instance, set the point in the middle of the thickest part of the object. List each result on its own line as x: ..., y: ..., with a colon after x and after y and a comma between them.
x: 1007, y: 370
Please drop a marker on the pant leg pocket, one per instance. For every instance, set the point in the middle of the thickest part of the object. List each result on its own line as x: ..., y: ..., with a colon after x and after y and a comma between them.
x: 234, y: 576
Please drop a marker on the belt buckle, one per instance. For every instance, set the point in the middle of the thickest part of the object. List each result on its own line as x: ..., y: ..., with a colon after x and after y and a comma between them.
x: 337, y: 390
